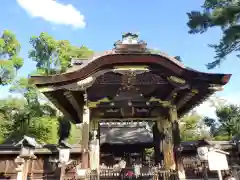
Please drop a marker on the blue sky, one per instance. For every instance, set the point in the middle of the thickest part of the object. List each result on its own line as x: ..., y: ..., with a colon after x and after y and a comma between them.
x: 161, y: 23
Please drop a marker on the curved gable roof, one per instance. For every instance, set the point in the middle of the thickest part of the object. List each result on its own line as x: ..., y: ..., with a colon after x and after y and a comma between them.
x: 108, y: 61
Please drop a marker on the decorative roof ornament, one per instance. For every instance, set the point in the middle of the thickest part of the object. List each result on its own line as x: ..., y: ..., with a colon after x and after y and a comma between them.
x: 28, y: 141
x: 130, y: 43
x: 130, y: 38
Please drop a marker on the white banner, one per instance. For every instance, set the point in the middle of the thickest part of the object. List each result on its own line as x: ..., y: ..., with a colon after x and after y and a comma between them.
x: 64, y: 155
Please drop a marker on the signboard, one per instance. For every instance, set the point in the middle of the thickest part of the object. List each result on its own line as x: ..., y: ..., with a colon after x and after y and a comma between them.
x: 217, y: 161
x: 64, y: 155
x: 202, y: 153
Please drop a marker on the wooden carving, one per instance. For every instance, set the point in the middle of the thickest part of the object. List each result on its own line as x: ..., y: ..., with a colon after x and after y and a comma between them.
x: 130, y: 43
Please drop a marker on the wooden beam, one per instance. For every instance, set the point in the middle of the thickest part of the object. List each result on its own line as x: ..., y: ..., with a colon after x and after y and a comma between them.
x: 174, y: 92
x: 58, y: 106
x: 187, y: 97
x: 94, y: 104
x: 161, y: 102
x: 215, y: 87
x: 69, y: 95
x: 130, y: 119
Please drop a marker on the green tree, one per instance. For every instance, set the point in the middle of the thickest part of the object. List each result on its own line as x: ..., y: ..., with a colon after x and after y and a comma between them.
x: 75, y: 135
x: 9, y: 108
x: 54, y: 56
x: 227, y: 123
x: 218, y: 13
x: 31, y: 118
x: 229, y: 119
x: 10, y: 61
x: 189, y: 126
x: 37, y: 118
x: 212, y: 124
x: 32, y: 114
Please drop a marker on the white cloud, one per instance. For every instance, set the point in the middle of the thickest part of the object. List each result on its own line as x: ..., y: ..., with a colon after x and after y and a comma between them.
x: 54, y: 12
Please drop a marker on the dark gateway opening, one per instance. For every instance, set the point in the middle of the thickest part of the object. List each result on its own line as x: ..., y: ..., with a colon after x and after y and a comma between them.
x: 128, y: 141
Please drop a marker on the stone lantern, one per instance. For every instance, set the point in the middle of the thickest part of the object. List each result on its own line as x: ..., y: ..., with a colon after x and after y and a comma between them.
x: 27, y: 146
x: 27, y: 152
x: 64, y: 157
x: 64, y: 152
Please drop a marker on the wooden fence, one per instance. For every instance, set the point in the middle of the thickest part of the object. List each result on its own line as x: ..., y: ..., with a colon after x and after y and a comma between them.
x: 111, y: 174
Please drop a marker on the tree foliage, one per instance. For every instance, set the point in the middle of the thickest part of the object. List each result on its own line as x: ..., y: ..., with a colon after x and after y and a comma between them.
x: 10, y: 61
x: 54, y: 56
x: 218, y: 13
x: 31, y: 114
x: 227, y: 123
x: 27, y: 116
x: 189, y: 126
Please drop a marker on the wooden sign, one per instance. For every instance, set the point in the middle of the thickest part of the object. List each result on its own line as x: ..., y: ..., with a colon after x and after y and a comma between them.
x: 217, y: 161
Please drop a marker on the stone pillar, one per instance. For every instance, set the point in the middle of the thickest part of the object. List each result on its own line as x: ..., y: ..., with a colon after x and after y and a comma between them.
x: 62, y: 169
x: 20, y: 173
x: 20, y: 163
x: 26, y: 168
x: 176, y: 142
x: 85, y: 137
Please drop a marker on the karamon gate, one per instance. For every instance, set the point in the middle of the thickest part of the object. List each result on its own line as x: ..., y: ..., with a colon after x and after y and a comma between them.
x: 130, y: 84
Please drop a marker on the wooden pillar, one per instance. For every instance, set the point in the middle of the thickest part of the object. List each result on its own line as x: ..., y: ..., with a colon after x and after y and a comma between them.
x: 176, y: 142
x: 164, y: 127
x: 94, y: 145
x: 94, y: 153
x: 158, y: 138
x: 85, y: 137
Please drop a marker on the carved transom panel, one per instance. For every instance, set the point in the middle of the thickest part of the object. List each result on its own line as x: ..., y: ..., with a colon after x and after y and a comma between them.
x: 128, y: 78
x: 124, y: 83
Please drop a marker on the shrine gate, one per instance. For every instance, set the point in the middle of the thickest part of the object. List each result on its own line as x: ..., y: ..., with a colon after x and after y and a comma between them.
x: 130, y: 84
